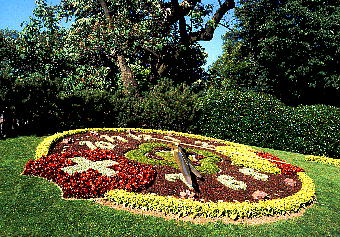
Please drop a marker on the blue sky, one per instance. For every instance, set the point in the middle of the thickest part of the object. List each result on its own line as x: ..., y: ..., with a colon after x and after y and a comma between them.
x: 14, y: 12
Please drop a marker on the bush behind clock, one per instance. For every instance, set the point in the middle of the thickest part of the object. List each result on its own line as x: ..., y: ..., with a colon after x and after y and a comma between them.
x: 246, y: 117
x: 262, y: 120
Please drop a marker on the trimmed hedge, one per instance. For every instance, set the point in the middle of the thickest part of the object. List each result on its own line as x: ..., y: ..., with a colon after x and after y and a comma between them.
x: 262, y: 120
x: 168, y: 107
x: 43, y: 108
x: 39, y: 106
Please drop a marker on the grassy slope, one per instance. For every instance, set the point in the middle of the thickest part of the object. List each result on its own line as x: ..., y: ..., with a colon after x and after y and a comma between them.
x: 31, y: 206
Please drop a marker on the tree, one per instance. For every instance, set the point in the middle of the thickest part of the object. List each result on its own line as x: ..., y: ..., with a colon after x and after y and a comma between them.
x: 153, y: 35
x: 230, y: 69
x: 8, y: 58
x: 30, y: 63
x: 293, y: 46
x: 41, y: 45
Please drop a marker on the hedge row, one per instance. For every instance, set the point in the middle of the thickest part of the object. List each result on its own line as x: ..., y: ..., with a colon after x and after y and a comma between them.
x: 40, y: 108
x: 244, y: 117
x: 262, y: 120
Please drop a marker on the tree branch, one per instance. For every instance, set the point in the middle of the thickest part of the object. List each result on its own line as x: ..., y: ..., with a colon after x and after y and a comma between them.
x: 152, y: 52
x: 178, y: 10
x: 207, y: 33
x: 127, y: 76
x: 181, y: 19
x: 106, y: 12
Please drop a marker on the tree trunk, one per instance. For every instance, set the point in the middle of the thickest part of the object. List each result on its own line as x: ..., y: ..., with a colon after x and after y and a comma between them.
x: 127, y: 77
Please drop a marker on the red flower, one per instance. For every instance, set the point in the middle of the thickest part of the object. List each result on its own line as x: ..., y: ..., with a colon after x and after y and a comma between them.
x: 131, y: 176
x: 284, y: 167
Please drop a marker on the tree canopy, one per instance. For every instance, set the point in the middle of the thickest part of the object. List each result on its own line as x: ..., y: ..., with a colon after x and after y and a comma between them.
x: 117, y: 43
x: 143, y: 40
x: 289, y: 48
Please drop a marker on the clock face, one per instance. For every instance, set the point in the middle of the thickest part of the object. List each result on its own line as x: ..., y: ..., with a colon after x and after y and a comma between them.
x: 91, y: 163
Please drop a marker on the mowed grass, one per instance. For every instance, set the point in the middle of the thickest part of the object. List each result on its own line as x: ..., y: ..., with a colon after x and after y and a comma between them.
x: 31, y: 206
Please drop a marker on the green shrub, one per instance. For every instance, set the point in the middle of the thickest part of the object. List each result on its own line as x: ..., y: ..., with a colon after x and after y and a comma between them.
x: 47, y: 108
x: 165, y: 107
x: 316, y: 129
x: 86, y: 108
x: 262, y: 120
x: 33, y: 103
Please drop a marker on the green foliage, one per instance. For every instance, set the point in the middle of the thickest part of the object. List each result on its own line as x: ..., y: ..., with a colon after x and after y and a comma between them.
x: 139, y: 155
x: 139, y: 32
x: 86, y: 77
x: 82, y: 109
x: 35, y: 103
x: 165, y: 106
x: 8, y: 58
x: 292, y: 46
x: 169, y: 107
x: 262, y: 120
x: 43, y: 106
x: 98, y: 52
x: 186, y: 66
x: 230, y: 69
x: 41, y: 44
x: 208, y: 163
x: 27, y: 96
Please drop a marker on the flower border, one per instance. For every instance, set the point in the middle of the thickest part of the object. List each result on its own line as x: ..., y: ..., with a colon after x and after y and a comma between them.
x: 240, y: 154
x: 323, y: 160
x: 191, y: 208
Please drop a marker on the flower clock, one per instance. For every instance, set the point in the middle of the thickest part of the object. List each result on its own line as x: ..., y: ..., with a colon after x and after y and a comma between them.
x: 137, y: 168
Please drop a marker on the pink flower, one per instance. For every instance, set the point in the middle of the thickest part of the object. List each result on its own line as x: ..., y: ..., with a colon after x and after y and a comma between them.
x: 290, y: 182
x: 260, y: 195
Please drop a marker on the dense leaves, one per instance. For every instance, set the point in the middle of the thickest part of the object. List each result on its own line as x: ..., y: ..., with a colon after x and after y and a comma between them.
x: 57, y: 77
x: 262, y: 120
x: 144, y: 40
x: 291, y: 47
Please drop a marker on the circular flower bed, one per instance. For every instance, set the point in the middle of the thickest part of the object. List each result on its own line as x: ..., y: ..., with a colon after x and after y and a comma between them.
x: 136, y: 168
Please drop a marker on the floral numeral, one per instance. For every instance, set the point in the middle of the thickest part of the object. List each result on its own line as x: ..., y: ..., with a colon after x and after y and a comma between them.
x: 172, y: 139
x: 141, y: 137
x: 100, y: 144
x: 113, y: 139
x: 231, y: 182
x: 204, y: 144
x: 88, y: 144
x: 252, y: 172
x: 105, y: 145
x: 174, y: 177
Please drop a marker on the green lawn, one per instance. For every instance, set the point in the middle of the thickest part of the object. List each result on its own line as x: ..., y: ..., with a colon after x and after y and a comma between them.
x: 31, y: 206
